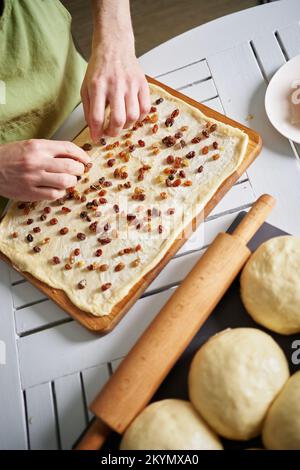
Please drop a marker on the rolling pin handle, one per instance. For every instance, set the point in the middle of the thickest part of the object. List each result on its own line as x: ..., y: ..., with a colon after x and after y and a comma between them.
x: 94, y: 437
x: 254, y: 219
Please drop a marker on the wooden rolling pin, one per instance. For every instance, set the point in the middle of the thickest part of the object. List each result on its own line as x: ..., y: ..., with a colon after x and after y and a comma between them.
x: 144, y: 368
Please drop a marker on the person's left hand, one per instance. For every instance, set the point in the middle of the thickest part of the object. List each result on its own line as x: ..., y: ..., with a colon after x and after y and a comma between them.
x: 114, y: 77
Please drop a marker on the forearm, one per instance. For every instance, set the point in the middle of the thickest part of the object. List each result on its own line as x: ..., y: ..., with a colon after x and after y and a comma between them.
x: 112, y: 25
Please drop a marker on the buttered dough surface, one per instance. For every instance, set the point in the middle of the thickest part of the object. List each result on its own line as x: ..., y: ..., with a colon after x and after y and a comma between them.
x: 143, y: 188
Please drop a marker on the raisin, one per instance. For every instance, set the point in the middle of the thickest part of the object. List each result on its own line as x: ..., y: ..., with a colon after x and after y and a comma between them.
x: 178, y: 135
x: 196, y: 140
x: 81, y: 284
x: 119, y: 267
x: 176, y: 183
x: 47, y: 210
x: 213, y: 128
x: 68, y: 267
x: 200, y: 169
x: 106, y: 286
x: 159, y: 100
x: 103, y: 267
x: 102, y: 200
x: 36, y: 229
x: 154, y: 129
x: 182, y: 174
x: 87, y: 147
x: 77, y: 251
x: 106, y: 227
x: 104, y: 241
x: 102, y: 141
x: 53, y: 221
x: 141, y: 143
x: 55, y: 260
x: 29, y: 238
x: 36, y: 249
x: 205, y: 133
x: 153, y: 109
x: 205, y: 150
x: 93, y: 226
x: 170, y: 159
x: 190, y: 155
x: 131, y: 217
x: 81, y: 236
x: 175, y: 113
x: 29, y: 221
x: 215, y: 145
x: 64, y: 230
x: 169, y: 122
x: 116, y: 208
x: 160, y: 229
x: 99, y: 252
x: 43, y: 217
x: 65, y: 210
x: 83, y: 214
x: 182, y: 143
x: 111, y: 162
x: 169, y: 141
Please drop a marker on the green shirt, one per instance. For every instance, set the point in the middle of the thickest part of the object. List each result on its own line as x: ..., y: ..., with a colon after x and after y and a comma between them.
x: 40, y: 70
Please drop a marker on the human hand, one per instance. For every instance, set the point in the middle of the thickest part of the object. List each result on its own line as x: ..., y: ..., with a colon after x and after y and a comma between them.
x: 33, y: 170
x: 114, y: 77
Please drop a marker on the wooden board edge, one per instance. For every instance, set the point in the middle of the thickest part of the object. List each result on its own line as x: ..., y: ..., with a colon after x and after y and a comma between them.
x: 105, y: 324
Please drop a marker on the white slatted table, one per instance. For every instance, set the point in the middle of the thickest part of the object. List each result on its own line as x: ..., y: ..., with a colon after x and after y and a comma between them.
x: 55, y: 367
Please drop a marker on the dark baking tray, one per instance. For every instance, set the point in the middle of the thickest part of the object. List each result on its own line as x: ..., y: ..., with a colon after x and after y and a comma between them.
x: 229, y: 313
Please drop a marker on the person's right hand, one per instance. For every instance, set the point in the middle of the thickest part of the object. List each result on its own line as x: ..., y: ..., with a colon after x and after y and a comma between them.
x: 33, y: 170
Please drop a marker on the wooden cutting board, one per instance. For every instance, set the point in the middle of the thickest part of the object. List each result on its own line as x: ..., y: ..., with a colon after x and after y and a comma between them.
x: 102, y: 325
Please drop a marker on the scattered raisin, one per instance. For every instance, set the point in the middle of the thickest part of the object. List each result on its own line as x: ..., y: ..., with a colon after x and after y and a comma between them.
x: 93, y: 226
x: 87, y: 147
x: 68, y: 267
x: 116, y: 208
x: 43, y: 217
x: 171, y: 211
x: 29, y: 238
x: 196, y: 140
x: 205, y: 150
x: 190, y: 155
x: 119, y: 267
x: 159, y: 100
x: 160, y: 229
x: 102, y: 200
x: 103, y: 267
x: 65, y: 210
x: 99, y: 252
x: 102, y: 141
x: 216, y: 156
x: 215, y: 145
x: 213, y: 128
x: 15, y: 234
x: 104, y: 241
x: 106, y: 286
x: 81, y: 284
x: 205, y: 133
x: 36, y: 229
x: 169, y: 122
x: 55, y: 260
x: 77, y: 251
x: 29, y: 221
x: 64, y: 230
x: 182, y: 174
x: 36, y: 249
x: 200, y: 169
x: 141, y: 143
x: 154, y: 129
x: 178, y: 135
x: 170, y: 159
x: 81, y: 236
x: 175, y: 113
x: 176, y: 183
x: 153, y: 109
x: 111, y: 162
x: 169, y: 141
x: 53, y: 221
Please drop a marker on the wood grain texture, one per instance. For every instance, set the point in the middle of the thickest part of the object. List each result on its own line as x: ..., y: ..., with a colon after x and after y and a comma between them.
x: 106, y: 323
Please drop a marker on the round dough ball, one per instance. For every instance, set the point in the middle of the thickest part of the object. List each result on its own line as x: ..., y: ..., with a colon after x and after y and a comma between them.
x: 169, y: 425
x: 270, y: 285
x: 234, y: 378
x: 281, y: 430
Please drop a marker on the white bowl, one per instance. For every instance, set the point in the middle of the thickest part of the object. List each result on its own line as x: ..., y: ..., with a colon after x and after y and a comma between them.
x: 282, y: 100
